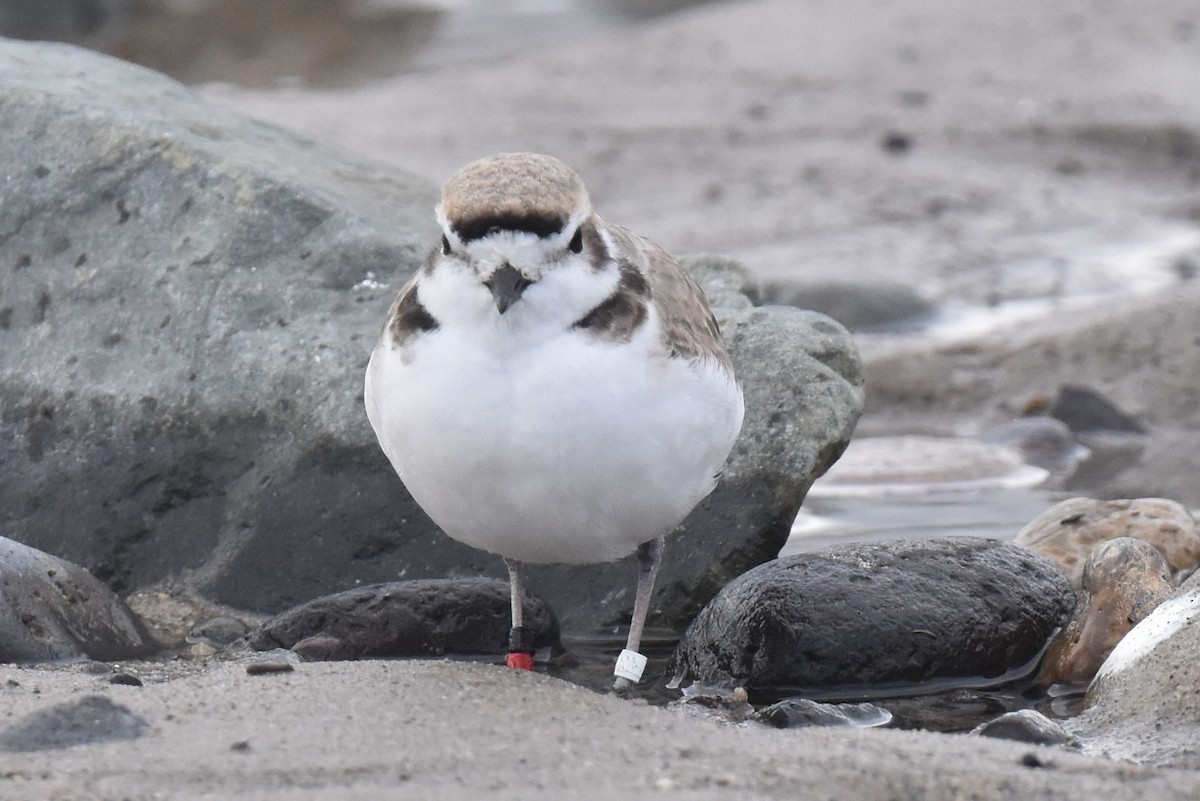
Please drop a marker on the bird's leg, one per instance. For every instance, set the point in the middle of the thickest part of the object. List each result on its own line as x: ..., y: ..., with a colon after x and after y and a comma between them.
x: 631, y: 663
x: 520, y: 639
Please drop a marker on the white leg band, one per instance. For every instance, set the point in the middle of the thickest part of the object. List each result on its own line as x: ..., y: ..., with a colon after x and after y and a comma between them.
x: 630, y: 665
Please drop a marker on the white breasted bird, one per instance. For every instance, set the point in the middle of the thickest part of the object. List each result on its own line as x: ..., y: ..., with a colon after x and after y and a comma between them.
x: 551, y: 387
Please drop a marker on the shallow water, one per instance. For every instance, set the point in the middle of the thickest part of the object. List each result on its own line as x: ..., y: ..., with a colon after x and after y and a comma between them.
x: 996, y: 512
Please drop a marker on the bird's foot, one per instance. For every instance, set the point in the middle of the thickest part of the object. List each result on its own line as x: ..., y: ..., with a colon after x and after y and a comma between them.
x: 519, y: 661
x: 520, y: 648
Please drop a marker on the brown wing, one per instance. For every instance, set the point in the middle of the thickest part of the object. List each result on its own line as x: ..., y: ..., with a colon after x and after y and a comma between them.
x: 689, y: 328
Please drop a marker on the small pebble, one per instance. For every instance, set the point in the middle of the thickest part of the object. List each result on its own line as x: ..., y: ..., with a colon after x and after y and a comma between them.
x: 1027, y: 726
x: 199, y: 650
x: 321, y: 648
x: 125, y: 679
x: 240, y: 745
x: 263, y: 668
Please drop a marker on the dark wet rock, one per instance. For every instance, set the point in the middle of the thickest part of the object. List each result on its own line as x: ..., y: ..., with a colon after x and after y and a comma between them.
x: 1068, y: 531
x: 1124, y: 580
x: 51, y: 609
x: 1143, y: 704
x: 964, y: 611
x: 427, y: 617
x: 125, y: 679
x: 859, y: 307
x: 1083, y: 409
x: 192, y: 299
x: 795, y: 713
x: 92, y: 719
x: 1027, y: 726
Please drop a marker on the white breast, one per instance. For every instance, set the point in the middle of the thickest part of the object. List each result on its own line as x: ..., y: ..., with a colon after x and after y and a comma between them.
x: 570, y: 450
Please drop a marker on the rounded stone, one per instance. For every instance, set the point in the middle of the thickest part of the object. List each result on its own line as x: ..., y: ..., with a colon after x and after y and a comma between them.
x: 425, y: 617
x: 86, y: 721
x: 1027, y: 726
x: 960, y: 611
x: 51, y: 609
x: 1124, y: 580
x: 1144, y: 702
x: 1068, y: 531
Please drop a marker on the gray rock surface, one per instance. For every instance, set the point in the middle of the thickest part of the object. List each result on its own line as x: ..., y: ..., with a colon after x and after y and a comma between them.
x: 1027, y: 726
x: 894, y: 614
x: 192, y: 302
x: 1144, y: 704
x: 51, y: 609
x: 183, y: 332
x: 424, y: 617
x: 91, y: 719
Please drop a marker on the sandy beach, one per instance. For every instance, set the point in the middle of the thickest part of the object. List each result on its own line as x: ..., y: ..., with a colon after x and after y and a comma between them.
x: 438, y: 729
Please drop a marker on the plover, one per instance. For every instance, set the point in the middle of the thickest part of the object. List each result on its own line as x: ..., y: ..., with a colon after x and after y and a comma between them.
x: 551, y: 387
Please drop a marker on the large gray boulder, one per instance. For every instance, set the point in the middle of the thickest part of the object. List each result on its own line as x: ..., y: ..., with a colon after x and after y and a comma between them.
x: 186, y: 313
x: 191, y: 304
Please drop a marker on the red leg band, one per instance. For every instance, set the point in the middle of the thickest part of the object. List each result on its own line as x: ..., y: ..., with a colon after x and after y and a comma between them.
x: 518, y: 661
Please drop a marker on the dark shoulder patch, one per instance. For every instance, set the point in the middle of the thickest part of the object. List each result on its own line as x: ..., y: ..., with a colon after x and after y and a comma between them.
x: 408, y: 316
x: 593, y: 246
x: 538, y: 223
x: 622, y: 313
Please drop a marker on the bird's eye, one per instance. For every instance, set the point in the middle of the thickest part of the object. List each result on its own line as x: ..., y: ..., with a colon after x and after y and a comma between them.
x: 576, y: 245
x: 445, y: 245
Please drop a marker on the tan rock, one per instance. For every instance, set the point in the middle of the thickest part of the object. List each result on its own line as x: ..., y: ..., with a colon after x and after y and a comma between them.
x: 1124, y: 580
x: 1067, y: 532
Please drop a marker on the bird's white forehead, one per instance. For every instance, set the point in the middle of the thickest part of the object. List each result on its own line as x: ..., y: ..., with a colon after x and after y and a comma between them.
x: 518, y: 248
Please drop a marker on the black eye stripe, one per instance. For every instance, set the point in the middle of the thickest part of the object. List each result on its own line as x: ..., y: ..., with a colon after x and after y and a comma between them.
x: 576, y: 245
x: 540, y: 224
